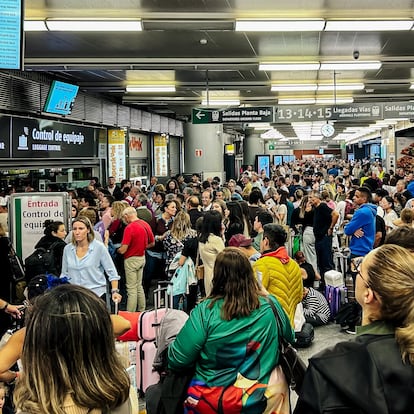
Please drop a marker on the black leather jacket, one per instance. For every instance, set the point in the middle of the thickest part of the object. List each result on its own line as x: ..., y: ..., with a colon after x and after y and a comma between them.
x: 365, y: 376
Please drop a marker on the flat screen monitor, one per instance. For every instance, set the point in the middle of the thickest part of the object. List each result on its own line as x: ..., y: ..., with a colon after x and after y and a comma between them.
x: 263, y: 163
x: 11, y: 34
x: 61, y: 98
x: 277, y: 159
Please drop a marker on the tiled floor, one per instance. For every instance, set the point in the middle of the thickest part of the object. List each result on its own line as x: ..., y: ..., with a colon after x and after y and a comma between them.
x: 325, y: 336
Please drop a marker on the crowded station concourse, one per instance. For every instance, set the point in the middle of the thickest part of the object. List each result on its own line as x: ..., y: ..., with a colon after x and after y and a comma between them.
x: 224, y: 225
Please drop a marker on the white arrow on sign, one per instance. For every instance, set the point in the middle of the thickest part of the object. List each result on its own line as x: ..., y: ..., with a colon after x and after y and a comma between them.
x: 200, y: 114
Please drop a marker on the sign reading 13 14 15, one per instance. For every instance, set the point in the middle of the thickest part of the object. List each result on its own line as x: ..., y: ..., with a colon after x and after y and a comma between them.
x: 304, y: 113
x: 299, y: 113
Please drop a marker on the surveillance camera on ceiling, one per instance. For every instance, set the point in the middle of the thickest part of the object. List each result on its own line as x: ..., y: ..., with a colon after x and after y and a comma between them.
x: 356, y: 54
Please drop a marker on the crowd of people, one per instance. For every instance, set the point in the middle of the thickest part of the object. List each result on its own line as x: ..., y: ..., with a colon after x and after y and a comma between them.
x: 125, y: 237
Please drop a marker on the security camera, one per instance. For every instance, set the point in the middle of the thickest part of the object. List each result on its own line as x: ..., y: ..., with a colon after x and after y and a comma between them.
x: 356, y: 54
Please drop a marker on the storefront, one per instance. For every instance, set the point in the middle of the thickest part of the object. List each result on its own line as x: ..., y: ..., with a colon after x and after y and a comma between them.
x: 41, y: 152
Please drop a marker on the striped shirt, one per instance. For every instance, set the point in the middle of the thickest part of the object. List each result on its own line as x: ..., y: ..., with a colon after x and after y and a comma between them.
x: 315, y: 304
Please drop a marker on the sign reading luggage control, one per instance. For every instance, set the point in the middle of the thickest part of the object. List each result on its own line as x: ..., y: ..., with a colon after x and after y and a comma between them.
x: 230, y: 115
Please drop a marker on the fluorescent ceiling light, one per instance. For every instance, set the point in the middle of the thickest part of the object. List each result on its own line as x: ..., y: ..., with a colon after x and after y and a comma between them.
x: 367, y: 25
x: 260, y: 125
x: 34, y: 26
x: 293, y: 87
x: 368, y: 65
x: 305, y: 101
x: 150, y: 88
x: 315, y: 25
x: 332, y: 101
x: 289, y: 66
x: 412, y: 86
x: 341, y: 87
x: 220, y: 102
x: 94, y: 25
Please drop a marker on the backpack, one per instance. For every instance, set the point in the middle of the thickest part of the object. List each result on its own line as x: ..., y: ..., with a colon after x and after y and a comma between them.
x: 40, y: 262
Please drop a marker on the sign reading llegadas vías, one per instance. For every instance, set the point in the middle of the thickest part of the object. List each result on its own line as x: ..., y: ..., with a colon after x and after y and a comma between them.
x: 41, y: 138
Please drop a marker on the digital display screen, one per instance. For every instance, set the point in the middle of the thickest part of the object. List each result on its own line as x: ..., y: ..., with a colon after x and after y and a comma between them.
x: 263, y: 164
x: 61, y: 98
x: 11, y: 34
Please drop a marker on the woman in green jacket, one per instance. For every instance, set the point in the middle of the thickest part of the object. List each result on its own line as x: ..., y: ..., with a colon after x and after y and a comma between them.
x: 232, y: 339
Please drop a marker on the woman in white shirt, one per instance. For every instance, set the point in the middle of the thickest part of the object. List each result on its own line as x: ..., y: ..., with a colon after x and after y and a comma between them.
x: 387, y: 204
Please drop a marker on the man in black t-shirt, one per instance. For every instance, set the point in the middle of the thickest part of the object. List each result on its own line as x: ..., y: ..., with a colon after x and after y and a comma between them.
x: 324, y: 220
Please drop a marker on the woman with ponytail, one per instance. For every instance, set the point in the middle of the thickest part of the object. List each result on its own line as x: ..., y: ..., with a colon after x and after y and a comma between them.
x: 375, y: 373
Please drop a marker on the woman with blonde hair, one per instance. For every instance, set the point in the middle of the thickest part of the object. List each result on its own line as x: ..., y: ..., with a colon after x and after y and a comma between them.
x: 375, y: 373
x: 87, y: 262
x: 69, y: 358
x: 181, y: 239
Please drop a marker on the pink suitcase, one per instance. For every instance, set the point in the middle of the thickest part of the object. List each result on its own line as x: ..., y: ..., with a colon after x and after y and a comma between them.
x: 146, y: 348
x: 146, y: 376
x: 148, y: 322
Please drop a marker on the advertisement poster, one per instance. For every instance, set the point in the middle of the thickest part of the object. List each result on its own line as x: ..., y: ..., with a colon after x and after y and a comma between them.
x: 138, y: 145
x: 405, y: 152
x: 160, y: 156
x: 29, y: 211
x: 116, y: 154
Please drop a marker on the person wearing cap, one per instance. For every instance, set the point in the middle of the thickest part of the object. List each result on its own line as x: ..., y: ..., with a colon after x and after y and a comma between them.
x: 245, y: 245
x: 280, y: 275
x: 4, y: 214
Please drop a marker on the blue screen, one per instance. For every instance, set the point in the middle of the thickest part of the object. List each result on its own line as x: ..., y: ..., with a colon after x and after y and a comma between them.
x: 61, y: 98
x: 11, y: 34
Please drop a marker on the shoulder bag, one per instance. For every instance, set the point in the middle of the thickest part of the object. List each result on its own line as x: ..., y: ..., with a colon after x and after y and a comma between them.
x: 292, y: 365
x: 16, y: 265
x: 199, y: 268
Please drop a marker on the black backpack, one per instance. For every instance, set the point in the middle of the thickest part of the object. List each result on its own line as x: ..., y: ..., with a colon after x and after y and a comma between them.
x: 40, y: 262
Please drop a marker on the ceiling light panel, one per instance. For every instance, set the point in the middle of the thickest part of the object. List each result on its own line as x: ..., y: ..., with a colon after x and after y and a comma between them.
x: 289, y: 66
x: 368, y: 25
x: 314, y: 25
x: 34, y: 26
x: 94, y: 25
x: 150, y: 88
x: 220, y: 102
x: 293, y: 87
x: 367, y: 65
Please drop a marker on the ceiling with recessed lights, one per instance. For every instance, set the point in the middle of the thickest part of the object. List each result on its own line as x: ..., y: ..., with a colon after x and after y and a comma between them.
x: 177, y: 53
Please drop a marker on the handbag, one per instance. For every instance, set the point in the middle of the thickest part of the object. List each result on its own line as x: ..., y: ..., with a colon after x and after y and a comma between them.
x: 16, y: 265
x: 199, y: 268
x: 292, y: 365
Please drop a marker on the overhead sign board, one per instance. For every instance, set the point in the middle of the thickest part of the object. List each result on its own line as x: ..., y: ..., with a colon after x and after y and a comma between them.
x: 231, y: 115
x: 398, y: 110
x: 310, y: 113
x: 42, y: 138
x: 306, y: 113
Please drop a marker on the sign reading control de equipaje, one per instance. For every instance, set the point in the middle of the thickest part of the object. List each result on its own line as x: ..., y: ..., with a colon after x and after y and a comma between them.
x: 40, y: 138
